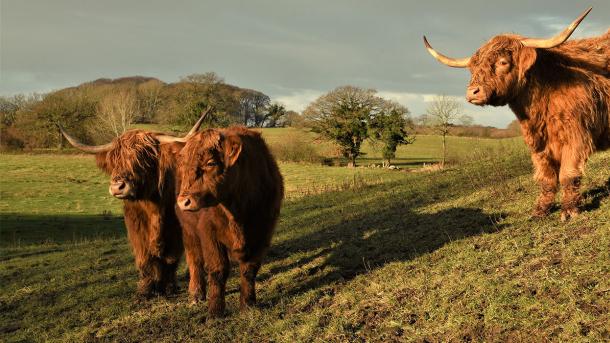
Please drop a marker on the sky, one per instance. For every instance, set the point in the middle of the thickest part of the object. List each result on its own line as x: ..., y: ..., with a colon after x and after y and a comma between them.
x: 293, y: 51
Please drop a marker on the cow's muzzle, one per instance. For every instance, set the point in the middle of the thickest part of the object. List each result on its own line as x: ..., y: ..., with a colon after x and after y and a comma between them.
x: 120, y: 189
x: 187, y: 203
x: 476, y: 95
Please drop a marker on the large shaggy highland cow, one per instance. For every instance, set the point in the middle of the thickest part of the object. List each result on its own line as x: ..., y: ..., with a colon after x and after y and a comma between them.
x: 142, y: 167
x: 232, y: 180
x: 560, y: 93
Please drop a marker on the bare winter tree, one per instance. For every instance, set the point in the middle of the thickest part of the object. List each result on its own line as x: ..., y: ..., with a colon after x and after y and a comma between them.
x: 117, y: 111
x: 149, y: 100
x: 443, y: 113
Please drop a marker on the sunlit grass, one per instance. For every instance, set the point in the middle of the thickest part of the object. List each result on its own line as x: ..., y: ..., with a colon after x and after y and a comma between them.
x: 361, y: 254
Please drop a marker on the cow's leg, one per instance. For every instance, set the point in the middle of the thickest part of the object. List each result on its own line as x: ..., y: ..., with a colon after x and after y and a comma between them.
x: 146, y: 264
x: 170, y: 261
x: 150, y: 274
x: 236, y: 236
x: 570, y: 174
x: 217, y: 266
x: 194, y: 259
x: 247, y: 290
x: 546, y: 177
x: 169, y: 285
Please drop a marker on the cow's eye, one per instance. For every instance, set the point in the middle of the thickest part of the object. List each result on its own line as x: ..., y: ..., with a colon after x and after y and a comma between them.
x: 503, y: 62
x: 210, y: 163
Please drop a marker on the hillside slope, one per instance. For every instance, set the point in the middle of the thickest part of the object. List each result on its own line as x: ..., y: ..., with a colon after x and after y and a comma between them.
x: 442, y: 256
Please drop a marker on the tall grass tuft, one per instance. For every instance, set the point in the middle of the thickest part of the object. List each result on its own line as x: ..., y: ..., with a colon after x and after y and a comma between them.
x: 495, y: 167
x: 295, y: 147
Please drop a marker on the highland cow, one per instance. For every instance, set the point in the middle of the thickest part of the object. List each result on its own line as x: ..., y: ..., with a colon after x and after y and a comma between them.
x: 230, y: 177
x: 142, y: 174
x: 560, y: 93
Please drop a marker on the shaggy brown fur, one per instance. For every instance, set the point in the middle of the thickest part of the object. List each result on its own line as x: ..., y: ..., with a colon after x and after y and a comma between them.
x: 147, y: 168
x: 232, y: 179
x: 561, y: 97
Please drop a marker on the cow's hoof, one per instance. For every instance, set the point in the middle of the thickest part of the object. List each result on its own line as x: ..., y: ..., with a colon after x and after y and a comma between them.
x: 567, y: 214
x: 171, y: 289
x: 240, y: 254
x: 142, y: 297
x: 145, y: 291
x: 216, y: 310
x: 244, y: 306
x: 196, y: 298
x: 539, y: 213
x: 216, y: 313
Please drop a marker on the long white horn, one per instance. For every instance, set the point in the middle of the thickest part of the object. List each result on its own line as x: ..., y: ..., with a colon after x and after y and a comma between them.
x: 558, y: 39
x: 92, y: 149
x: 194, y: 129
x: 452, y: 62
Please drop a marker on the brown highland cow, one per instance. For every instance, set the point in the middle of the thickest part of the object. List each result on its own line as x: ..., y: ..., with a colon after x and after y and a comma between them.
x: 232, y: 180
x: 142, y: 174
x: 560, y: 93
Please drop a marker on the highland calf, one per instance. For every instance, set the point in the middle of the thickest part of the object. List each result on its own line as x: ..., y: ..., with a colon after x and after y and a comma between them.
x: 560, y: 93
x: 232, y: 180
x: 142, y: 174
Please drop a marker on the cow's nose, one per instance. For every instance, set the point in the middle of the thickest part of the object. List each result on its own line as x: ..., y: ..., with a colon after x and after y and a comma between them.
x: 186, y: 203
x: 473, y: 93
x: 473, y: 90
x: 119, y: 189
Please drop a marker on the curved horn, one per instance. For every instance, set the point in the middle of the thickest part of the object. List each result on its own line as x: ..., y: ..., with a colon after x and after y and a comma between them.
x: 171, y: 139
x: 92, y: 149
x: 452, y: 62
x: 558, y: 39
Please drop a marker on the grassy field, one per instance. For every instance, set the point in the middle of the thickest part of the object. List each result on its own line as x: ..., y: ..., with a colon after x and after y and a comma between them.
x: 425, y: 149
x: 359, y: 255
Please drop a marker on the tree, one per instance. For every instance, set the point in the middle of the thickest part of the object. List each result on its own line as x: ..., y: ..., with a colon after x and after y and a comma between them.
x: 294, y: 119
x: 389, y: 127
x: 443, y: 113
x: 208, y: 78
x: 149, y: 99
x: 69, y: 107
x: 117, y: 111
x: 10, y: 106
x: 342, y: 115
x: 514, y: 128
x: 275, y: 113
x: 184, y: 101
x: 253, y: 105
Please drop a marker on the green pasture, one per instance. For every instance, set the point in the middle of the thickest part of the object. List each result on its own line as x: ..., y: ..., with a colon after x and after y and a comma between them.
x: 362, y: 254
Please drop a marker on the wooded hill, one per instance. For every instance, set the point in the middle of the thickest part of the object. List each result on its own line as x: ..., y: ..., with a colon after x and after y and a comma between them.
x: 100, y: 109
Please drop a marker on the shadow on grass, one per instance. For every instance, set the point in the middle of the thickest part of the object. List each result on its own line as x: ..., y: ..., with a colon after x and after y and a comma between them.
x: 594, y: 196
x: 24, y: 229
x: 389, y: 231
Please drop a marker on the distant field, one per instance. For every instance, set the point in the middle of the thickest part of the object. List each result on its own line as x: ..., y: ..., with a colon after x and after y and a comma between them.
x: 66, y: 197
x: 360, y: 254
x: 426, y: 149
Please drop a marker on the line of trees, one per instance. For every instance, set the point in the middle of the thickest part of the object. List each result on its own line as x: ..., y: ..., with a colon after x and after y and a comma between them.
x: 105, y: 108
x: 349, y: 115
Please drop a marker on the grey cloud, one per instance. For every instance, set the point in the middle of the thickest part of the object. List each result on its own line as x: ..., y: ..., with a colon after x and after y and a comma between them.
x: 279, y: 47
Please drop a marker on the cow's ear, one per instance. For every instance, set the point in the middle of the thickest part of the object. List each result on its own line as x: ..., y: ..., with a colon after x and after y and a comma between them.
x: 526, y: 59
x: 102, y: 162
x: 176, y: 147
x: 232, y: 146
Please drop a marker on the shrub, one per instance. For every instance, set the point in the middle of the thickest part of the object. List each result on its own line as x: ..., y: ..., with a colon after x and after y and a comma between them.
x: 295, y: 147
x: 10, y: 139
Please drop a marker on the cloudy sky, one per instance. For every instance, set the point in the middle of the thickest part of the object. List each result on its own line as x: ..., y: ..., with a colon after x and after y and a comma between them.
x: 293, y: 51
